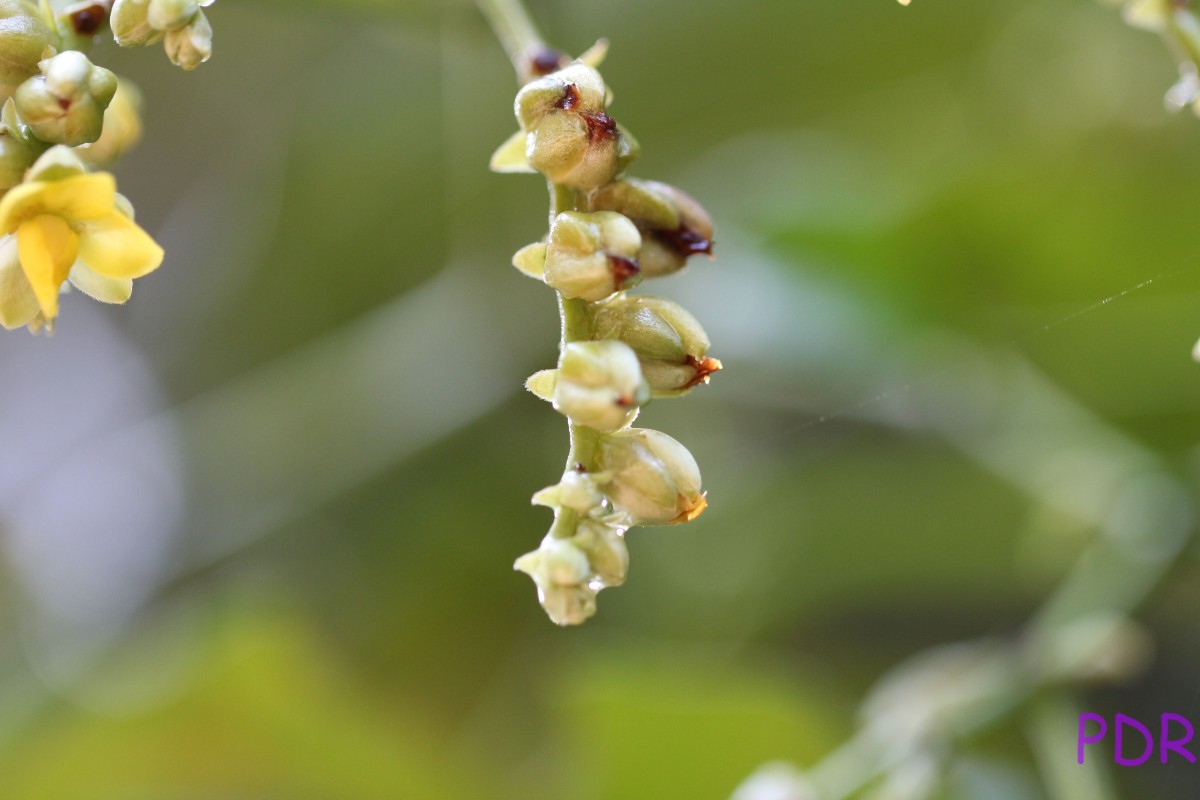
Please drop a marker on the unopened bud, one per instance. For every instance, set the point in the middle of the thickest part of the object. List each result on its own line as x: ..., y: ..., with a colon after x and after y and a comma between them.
x: 561, y: 572
x: 653, y: 478
x: 576, y: 87
x: 673, y: 225
x: 122, y: 127
x: 577, y: 491
x: 558, y: 562
x: 66, y: 103
x: 167, y: 15
x: 570, y: 138
x: 599, y: 384
x: 605, y: 547
x: 186, y: 28
x: 191, y: 45
x: 25, y: 33
x: 591, y: 256
x: 669, y: 342
x: 130, y: 23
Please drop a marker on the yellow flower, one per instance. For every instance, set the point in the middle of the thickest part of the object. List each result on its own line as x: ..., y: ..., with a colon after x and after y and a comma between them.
x: 68, y: 223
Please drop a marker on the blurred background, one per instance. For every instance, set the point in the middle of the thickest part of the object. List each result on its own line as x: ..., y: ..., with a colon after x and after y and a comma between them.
x: 257, y: 526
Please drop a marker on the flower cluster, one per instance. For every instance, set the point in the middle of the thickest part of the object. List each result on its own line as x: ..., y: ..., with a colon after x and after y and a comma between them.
x: 608, y: 233
x: 61, y: 117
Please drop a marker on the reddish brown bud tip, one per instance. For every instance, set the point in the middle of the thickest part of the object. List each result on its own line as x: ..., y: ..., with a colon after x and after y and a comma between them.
x: 570, y: 98
x: 600, y: 126
x: 623, y: 269
x: 704, y: 368
x: 547, y: 60
x: 683, y: 241
x: 88, y: 20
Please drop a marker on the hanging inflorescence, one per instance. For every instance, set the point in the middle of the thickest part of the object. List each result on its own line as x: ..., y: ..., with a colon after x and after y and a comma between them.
x: 61, y: 222
x: 608, y: 232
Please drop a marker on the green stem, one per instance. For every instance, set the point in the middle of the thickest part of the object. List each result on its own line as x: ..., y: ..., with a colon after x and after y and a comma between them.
x: 515, y: 30
x: 576, y: 324
x: 520, y: 38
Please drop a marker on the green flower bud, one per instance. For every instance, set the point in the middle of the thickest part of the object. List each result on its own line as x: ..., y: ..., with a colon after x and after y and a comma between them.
x: 570, y: 139
x: 558, y: 562
x: 25, y: 33
x: 577, y: 491
x: 122, y: 127
x: 66, y: 103
x: 568, y: 605
x: 669, y: 342
x: 167, y: 15
x: 577, y: 88
x: 130, y: 23
x: 562, y: 573
x: 591, y: 256
x: 578, y: 150
x: 651, y: 477
x: 599, y: 385
x: 190, y: 46
x: 16, y: 154
x: 673, y: 225
x: 186, y: 28
x: 605, y: 548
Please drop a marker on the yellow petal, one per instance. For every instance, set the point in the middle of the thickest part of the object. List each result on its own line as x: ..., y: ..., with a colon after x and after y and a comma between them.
x: 83, y: 197
x: 116, y: 247
x: 98, y: 287
x: 18, y: 305
x: 47, y: 247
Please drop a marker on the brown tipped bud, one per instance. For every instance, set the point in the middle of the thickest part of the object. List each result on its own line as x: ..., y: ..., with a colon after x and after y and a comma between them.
x: 570, y: 138
x: 577, y: 88
x: 653, y: 479
x: 674, y: 226
x: 65, y: 104
x: 591, y: 256
x: 600, y: 385
x: 669, y: 342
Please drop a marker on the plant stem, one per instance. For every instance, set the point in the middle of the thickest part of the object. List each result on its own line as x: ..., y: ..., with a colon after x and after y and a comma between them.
x: 576, y: 327
x: 515, y: 29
